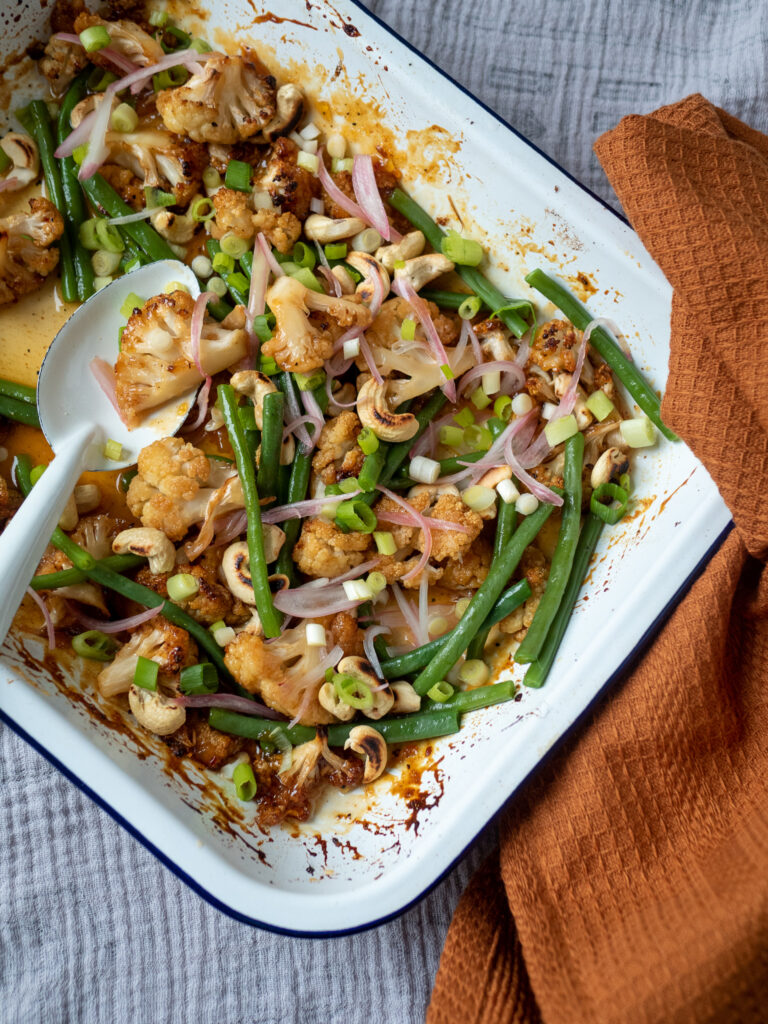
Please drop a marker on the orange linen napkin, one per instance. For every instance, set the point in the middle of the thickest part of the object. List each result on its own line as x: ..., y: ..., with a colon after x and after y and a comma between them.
x: 632, y: 884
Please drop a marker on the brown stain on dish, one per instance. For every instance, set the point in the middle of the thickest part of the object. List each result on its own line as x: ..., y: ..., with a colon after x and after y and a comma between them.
x: 582, y: 285
x: 260, y: 19
x: 669, y: 497
x: 413, y: 787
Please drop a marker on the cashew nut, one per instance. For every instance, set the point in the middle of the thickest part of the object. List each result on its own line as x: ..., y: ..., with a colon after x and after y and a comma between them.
x: 423, y: 269
x: 433, y: 490
x: 375, y: 277
x: 410, y: 245
x: 69, y: 516
x: 287, y: 450
x: 236, y: 563
x: 327, y: 229
x: 344, y: 278
x: 330, y: 700
x: 87, y: 498
x: 254, y: 385
x: 611, y: 464
x: 149, y: 542
x: 374, y: 412
x: 406, y: 698
x: 156, y: 712
x: 21, y: 150
x: 289, y: 102
x: 371, y: 746
x: 362, y: 669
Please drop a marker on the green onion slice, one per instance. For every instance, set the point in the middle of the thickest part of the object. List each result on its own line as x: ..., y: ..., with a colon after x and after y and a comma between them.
x: 245, y: 782
x: 470, y: 307
x: 612, y: 510
x: 95, y: 38
x: 356, y: 515
x: 464, y: 251
x: 441, y: 691
x: 94, y: 645
x: 353, y: 691
x: 199, y: 679
x: 238, y: 176
x: 145, y: 675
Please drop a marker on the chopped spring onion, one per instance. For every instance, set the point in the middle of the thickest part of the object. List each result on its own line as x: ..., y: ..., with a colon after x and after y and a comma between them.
x: 385, y: 542
x: 101, y: 282
x: 479, y: 399
x: 357, y: 590
x: 158, y: 18
x: 202, y: 210
x: 376, y: 581
x: 548, y: 410
x: 399, y: 264
x: 309, y: 381
x: 600, y: 405
x: 345, y: 487
x: 423, y: 470
x: 201, y: 266
x: 155, y: 198
x: 105, y: 263
x: 355, y: 515
x: 245, y: 781
x: 95, y: 38
x: 216, y: 285
x: 507, y: 491
x: 351, y: 348
x: 336, y: 147
x: 447, y: 371
x: 315, y: 634
x: 131, y: 302
x: 367, y: 240
x: 461, y: 606
x: 368, y: 441
x: 308, y: 279
x: 470, y: 307
x: 560, y: 430
x: 307, y: 161
x: 441, y: 691
x: 175, y: 286
x: 267, y: 364
x: 639, y: 432
x: 453, y: 437
x: 201, y: 678
x: 200, y: 45
x: 303, y: 256
x: 113, y: 450
x: 224, y: 636
x: 310, y: 131
x: 479, y: 498
x: 492, y: 382
x: 340, y: 164
x: 211, y: 178
x: 36, y: 473
x: 182, y: 586
x: 611, y: 512
x: 521, y: 404
x: 145, y: 674
x: 232, y: 244
x: 478, y: 438
x: 408, y: 329
x: 108, y: 236
x: 502, y: 407
x: 94, y: 645
x: 438, y: 626
x: 336, y: 251
x: 474, y: 672
x: 238, y: 176
x: 464, y: 251
x: 124, y: 118
x: 79, y: 153
x: 353, y: 691
x: 223, y: 264
x: 526, y: 504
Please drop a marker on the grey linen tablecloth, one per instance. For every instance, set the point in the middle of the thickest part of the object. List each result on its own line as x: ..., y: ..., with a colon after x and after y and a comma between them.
x: 92, y: 927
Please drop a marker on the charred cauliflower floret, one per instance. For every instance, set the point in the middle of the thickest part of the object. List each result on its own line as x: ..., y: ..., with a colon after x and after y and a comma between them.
x: 290, y: 186
x: 229, y: 100
x: 338, y: 454
x: 156, y: 362
x: 469, y: 571
x: 233, y: 213
x: 555, y: 346
x: 61, y: 62
x: 302, y: 342
x: 212, y: 602
x: 280, y: 229
x: 176, y: 486
x: 10, y: 499
x: 323, y: 550
x: 126, y: 38
x: 27, y: 253
x: 96, y: 533
x: 344, y: 632
x: 446, y: 544
x: 535, y: 569
x: 170, y: 646
x: 282, y: 672
x: 57, y: 600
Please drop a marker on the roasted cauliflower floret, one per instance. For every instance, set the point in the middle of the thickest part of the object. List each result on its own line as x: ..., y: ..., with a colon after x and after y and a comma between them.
x: 535, y: 569
x: 232, y: 213
x: 282, y: 672
x: 56, y: 601
x: 126, y: 38
x: 386, y: 182
x: 290, y: 186
x: 446, y: 544
x: 10, y: 499
x: 27, y: 253
x: 177, y: 486
x: 469, y: 571
x: 96, y: 533
x: 212, y: 602
x: 156, y: 362
x: 338, y: 454
x: 61, y: 62
x: 125, y: 183
x: 280, y: 229
x: 171, y: 647
x: 344, y: 631
x: 323, y: 550
x: 301, y: 342
x: 555, y: 346
x: 229, y: 100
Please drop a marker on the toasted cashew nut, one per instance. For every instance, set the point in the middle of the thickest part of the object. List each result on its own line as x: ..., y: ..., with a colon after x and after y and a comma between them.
x: 327, y: 229
x: 375, y: 277
x: 362, y: 669
x: 330, y: 701
x: 69, y: 516
x: 153, y: 544
x: 254, y: 385
x: 410, y: 245
x: 87, y: 498
x: 289, y: 102
x: 433, y: 490
x: 155, y: 711
x: 236, y: 564
x: 406, y: 698
x: 423, y: 269
x: 371, y: 746
x: 344, y: 278
x: 374, y: 412
x: 495, y: 476
x: 21, y: 150
x: 611, y: 464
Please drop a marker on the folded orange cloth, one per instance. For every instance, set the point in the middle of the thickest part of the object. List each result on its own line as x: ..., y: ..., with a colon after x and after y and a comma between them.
x: 632, y: 884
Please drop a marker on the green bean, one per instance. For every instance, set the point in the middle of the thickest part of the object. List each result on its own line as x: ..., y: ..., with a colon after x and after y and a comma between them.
x: 41, y: 130
x: 22, y: 412
x: 506, y: 521
x: 371, y: 470
x: 19, y: 392
x: 562, y: 559
x: 297, y: 491
x: 271, y: 443
x: 483, y: 601
x: 240, y: 296
x: 73, y: 193
x: 446, y: 300
x: 412, y: 661
x: 539, y: 669
x: 629, y: 375
x: 270, y: 617
x: 480, y: 697
x: 422, y: 725
x: 68, y: 577
x: 102, y: 196
x: 471, y: 276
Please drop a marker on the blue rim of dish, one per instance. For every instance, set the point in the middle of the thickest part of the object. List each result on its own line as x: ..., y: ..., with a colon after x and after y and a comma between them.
x: 636, y: 652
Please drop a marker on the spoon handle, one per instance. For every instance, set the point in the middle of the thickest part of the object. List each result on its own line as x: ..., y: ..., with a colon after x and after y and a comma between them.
x: 24, y: 539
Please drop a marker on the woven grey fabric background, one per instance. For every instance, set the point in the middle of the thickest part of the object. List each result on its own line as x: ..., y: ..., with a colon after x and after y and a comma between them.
x: 92, y: 928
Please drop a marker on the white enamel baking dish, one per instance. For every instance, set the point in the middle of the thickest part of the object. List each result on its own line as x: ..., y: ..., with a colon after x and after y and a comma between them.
x: 366, y: 857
